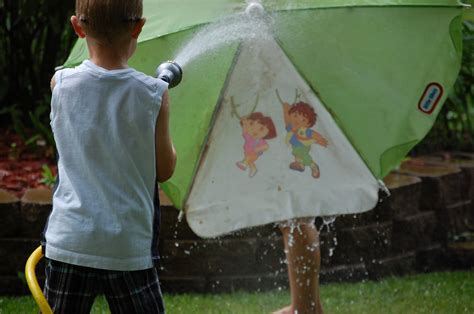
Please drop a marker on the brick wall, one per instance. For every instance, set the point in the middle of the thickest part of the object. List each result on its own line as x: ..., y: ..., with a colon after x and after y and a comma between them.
x: 421, y: 227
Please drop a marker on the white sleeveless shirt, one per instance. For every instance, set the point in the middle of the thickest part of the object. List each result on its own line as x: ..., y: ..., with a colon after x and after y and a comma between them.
x: 103, y: 123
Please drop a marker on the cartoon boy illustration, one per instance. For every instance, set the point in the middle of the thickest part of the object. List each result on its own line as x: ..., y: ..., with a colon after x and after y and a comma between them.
x: 299, y: 119
x: 256, y: 129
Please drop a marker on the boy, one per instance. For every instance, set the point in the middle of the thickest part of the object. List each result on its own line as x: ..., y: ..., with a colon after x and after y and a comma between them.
x: 110, y: 124
x: 299, y: 119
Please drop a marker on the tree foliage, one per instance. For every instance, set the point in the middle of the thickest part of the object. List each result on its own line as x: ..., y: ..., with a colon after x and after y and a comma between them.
x: 35, y: 37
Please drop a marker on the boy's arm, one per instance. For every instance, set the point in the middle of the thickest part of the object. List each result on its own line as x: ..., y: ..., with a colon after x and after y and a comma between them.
x: 52, y: 83
x: 164, y: 148
x: 286, y: 114
x: 321, y: 140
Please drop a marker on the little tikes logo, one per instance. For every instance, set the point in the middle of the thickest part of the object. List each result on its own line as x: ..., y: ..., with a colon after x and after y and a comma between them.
x: 430, y: 98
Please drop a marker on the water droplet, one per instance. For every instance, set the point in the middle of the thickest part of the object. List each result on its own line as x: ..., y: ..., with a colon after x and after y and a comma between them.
x: 328, y: 221
x: 331, y: 251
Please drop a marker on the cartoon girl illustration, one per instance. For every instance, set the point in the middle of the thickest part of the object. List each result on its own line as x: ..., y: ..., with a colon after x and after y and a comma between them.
x: 299, y: 119
x: 256, y: 129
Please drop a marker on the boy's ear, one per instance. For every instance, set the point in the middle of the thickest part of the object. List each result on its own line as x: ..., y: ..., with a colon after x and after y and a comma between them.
x: 137, y: 28
x: 77, y: 27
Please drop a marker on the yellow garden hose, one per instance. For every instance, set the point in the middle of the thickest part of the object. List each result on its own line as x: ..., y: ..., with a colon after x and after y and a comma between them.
x: 35, y: 289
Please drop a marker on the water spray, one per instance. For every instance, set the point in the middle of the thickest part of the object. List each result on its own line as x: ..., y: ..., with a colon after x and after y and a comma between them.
x: 170, y: 72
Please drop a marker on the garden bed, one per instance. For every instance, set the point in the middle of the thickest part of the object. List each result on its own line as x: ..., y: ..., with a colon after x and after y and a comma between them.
x: 24, y: 164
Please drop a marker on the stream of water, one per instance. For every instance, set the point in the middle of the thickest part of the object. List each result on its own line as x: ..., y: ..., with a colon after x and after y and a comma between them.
x: 251, y: 24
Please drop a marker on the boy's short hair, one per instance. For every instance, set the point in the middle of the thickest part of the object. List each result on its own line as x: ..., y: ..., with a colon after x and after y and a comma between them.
x: 306, y: 110
x: 108, y: 19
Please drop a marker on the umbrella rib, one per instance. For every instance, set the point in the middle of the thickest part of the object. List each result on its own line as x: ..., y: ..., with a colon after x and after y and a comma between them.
x: 217, y: 110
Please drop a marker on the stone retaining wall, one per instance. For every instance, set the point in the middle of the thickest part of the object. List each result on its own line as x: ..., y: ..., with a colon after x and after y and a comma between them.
x: 414, y: 230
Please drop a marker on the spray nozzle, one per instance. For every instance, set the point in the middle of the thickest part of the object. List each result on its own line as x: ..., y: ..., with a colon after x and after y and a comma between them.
x: 254, y: 9
x: 170, y: 72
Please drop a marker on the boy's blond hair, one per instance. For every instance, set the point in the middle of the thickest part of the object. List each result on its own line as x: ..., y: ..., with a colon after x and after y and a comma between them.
x: 108, y: 19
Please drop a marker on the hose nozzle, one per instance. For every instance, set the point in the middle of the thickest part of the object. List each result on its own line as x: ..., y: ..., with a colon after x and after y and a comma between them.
x: 170, y: 72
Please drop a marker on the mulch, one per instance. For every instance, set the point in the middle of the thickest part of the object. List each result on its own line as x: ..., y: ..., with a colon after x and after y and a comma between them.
x: 21, y: 164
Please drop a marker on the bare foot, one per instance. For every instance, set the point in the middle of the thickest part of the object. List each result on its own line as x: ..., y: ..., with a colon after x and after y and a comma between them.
x: 241, y: 165
x: 285, y: 310
x: 252, y: 172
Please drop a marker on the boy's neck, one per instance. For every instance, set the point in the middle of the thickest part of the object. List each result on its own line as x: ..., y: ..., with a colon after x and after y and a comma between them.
x: 107, y: 56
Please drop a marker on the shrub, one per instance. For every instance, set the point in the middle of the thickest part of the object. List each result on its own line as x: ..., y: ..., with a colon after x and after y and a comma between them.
x: 35, y: 37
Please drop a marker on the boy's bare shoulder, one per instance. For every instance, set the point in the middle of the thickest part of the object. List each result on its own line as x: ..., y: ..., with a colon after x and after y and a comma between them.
x: 52, y: 83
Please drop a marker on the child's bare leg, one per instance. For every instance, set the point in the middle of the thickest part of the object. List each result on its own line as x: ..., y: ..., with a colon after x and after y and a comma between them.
x: 251, y: 159
x: 304, y: 259
x: 252, y: 168
x: 242, y: 164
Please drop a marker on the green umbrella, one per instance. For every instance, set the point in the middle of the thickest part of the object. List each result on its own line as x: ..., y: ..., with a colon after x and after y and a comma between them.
x: 369, y: 77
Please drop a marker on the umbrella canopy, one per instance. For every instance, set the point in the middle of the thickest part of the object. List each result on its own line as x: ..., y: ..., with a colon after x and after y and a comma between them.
x: 369, y: 77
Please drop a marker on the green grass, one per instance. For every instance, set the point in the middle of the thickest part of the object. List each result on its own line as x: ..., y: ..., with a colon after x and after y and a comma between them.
x: 428, y: 293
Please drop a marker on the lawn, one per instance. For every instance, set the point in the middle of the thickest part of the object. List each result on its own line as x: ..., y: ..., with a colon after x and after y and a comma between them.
x: 428, y: 293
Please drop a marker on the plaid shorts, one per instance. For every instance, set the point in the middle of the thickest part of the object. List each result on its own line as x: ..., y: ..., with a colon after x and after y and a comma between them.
x: 72, y: 289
